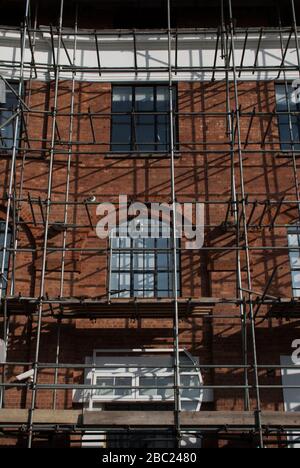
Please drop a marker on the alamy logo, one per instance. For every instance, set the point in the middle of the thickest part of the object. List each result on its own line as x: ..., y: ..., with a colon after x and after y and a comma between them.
x: 138, y: 220
x: 296, y: 353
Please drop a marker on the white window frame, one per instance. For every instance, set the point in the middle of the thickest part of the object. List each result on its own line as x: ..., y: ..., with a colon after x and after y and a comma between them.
x: 136, y: 373
x: 294, y: 263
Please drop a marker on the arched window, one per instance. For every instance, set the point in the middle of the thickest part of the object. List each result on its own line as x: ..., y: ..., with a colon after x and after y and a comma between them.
x: 3, y: 281
x: 143, y: 266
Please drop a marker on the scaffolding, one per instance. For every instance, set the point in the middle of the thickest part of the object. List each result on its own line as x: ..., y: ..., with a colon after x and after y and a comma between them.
x: 244, y: 215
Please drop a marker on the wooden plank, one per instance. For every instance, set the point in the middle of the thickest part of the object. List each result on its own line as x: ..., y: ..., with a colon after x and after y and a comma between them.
x: 149, y: 418
x: 190, y: 419
x: 126, y: 418
x: 19, y: 416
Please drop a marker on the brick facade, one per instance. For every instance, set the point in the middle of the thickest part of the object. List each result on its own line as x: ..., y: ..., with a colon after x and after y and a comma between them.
x: 199, y: 177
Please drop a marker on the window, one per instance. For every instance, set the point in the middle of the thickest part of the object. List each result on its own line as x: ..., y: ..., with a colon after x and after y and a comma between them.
x: 289, y: 134
x: 290, y: 380
x: 8, y: 106
x: 144, y: 272
x: 122, y: 376
x: 294, y: 244
x: 141, y: 377
x: 6, y: 262
x: 142, y: 122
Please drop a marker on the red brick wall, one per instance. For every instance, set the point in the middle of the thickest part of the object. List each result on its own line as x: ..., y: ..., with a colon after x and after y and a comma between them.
x: 201, y: 177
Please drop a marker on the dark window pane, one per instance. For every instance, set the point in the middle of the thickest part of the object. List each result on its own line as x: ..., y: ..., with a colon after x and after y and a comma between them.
x: 121, y: 133
x: 288, y: 125
x: 162, y: 100
x: 163, y: 133
x: 123, y: 382
x: 122, y: 99
x: 144, y: 99
x: 7, y: 110
x: 145, y: 132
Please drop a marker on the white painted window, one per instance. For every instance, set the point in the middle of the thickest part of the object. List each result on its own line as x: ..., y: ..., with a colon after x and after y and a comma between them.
x: 294, y: 245
x: 141, y: 378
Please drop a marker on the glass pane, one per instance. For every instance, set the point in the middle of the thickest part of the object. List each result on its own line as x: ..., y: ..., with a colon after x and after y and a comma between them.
x: 114, y: 284
x: 125, y: 261
x: 124, y: 243
x: 105, y: 382
x: 122, y: 99
x: 121, y: 124
x: 124, y: 285
x: 283, y: 98
x: 138, y: 261
x: 6, y: 112
x: 296, y: 283
x: 115, y: 261
x: 121, y: 133
x: 293, y: 241
x: 164, y: 282
x: 143, y: 285
x: 163, y: 261
x: 190, y: 381
x: 163, y: 135
x: 162, y: 96
x: 145, y: 132
x: 139, y: 285
x: 144, y: 99
x: 126, y: 382
x: 148, y: 382
x: 166, y: 382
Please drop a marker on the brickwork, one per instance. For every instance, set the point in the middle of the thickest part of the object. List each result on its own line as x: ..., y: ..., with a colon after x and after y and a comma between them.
x: 204, y: 176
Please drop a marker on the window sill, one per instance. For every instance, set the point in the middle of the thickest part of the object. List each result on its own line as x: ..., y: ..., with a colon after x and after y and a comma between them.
x: 141, y: 155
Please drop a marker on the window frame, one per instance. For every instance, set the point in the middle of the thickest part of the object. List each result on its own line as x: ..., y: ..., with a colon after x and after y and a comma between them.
x: 133, y: 271
x: 288, y: 144
x: 136, y: 374
x: 9, y: 147
x: 133, y: 112
x: 294, y: 231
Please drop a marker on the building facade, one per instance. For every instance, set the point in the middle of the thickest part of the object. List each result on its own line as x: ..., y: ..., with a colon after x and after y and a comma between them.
x: 143, y: 341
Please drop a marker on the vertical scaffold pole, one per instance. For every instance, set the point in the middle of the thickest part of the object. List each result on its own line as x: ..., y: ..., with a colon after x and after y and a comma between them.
x: 177, y: 393
x: 47, y: 217
x: 245, y: 228
x: 11, y: 185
